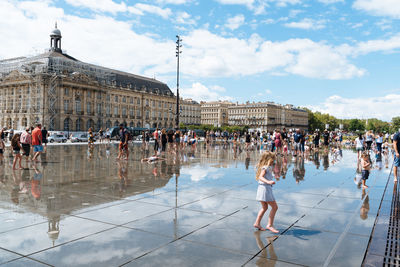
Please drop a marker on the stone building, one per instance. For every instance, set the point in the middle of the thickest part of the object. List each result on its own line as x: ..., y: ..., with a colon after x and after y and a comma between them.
x: 66, y: 94
x: 215, y: 113
x: 267, y: 116
x: 190, y: 112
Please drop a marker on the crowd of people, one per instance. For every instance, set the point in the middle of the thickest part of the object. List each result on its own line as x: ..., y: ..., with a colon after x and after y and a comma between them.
x: 29, y: 144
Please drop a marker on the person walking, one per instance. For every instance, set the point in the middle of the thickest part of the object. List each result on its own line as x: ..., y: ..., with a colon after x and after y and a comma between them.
x: 396, y: 147
x: 163, y: 140
x: 37, y: 141
x: 16, y: 148
x: 359, y: 145
x: 156, y: 140
x: 379, y: 142
x: 45, y: 134
x: 123, y: 143
x: 26, y: 142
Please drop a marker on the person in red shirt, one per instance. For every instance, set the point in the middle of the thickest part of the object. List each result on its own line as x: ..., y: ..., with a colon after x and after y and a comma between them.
x: 37, y: 141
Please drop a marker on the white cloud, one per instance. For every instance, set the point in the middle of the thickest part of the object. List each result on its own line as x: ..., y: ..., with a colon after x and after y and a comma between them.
x: 330, y: 1
x: 383, y: 107
x: 108, y: 42
x: 99, y: 5
x: 248, y: 3
x: 389, y: 45
x: 389, y: 8
x: 173, y: 2
x: 257, y: 6
x: 284, y: 3
x: 184, y: 18
x: 140, y: 9
x: 307, y: 24
x: 201, y: 92
x: 235, y: 22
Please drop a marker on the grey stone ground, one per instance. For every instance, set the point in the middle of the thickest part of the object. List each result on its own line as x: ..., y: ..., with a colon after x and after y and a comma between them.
x: 194, y: 209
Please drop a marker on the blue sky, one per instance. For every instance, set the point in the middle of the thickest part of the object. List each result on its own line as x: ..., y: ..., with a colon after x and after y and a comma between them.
x: 336, y: 56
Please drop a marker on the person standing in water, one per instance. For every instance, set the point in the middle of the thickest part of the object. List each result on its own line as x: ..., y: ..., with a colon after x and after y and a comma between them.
x: 264, y: 192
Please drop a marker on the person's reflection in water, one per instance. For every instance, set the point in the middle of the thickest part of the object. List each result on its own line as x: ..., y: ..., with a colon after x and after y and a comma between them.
x: 36, y: 189
x: 386, y: 160
x: 264, y: 260
x: 247, y: 160
x: 277, y: 167
x: 123, y: 177
x: 298, y: 170
x: 365, y: 206
x: 325, y: 160
x: 284, y: 166
x: 378, y: 161
x: 316, y: 160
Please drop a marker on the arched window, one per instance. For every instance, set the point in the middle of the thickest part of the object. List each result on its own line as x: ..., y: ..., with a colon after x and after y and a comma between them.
x: 67, y: 123
x: 116, y: 123
x: 131, y: 124
x: 78, y: 125
x: 138, y: 124
x: 108, y: 124
x: 24, y: 122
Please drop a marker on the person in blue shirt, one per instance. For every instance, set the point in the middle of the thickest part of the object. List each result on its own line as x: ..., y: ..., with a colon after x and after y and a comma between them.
x: 297, y: 137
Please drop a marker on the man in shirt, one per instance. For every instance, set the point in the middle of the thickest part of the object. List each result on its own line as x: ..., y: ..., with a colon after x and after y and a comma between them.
x: 297, y: 138
x: 37, y: 141
x: 396, y: 146
x: 326, y: 136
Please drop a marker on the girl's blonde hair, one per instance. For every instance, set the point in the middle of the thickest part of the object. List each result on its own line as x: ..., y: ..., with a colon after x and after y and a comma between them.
x: 267, y: 158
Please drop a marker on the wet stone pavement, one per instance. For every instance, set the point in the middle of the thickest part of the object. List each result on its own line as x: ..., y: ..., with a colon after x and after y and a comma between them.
x: 196, y: 208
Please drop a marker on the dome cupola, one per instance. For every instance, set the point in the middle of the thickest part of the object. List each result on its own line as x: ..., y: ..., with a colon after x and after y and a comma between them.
x: 55, y: 40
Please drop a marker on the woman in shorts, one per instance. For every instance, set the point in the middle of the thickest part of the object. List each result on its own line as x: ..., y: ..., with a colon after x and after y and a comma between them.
x: 16, y: 147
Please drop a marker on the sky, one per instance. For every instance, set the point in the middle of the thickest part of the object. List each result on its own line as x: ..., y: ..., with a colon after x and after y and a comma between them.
x: 340, y: 57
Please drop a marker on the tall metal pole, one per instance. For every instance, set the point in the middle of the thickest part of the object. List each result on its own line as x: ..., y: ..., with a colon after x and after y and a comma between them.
x: 178, y: 52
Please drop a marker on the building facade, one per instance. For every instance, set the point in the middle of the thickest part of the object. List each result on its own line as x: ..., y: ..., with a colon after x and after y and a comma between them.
x: 267, y: 116
x: 190, y: 112
x: 66, y: 94
x: 215, y: 113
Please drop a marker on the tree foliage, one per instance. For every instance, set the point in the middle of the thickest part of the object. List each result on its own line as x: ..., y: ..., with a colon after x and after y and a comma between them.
x: 318, y: 120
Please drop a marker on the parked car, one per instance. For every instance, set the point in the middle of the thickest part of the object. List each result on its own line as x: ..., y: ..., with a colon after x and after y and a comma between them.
x: 59, y: 138
x: 79, y: 137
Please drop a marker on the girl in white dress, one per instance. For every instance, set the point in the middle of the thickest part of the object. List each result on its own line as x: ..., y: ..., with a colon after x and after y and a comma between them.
x: 264, y: 192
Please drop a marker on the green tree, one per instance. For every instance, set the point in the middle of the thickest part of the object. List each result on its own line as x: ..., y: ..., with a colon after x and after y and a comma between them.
x: 356, y: 124
x: 395, y: 124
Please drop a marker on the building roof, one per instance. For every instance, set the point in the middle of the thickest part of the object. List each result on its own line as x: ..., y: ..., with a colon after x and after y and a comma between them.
x: 62, y: 63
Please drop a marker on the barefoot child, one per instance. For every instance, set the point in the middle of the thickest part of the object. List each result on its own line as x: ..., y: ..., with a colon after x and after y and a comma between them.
x: 264, y: 191
x: 366, y: 167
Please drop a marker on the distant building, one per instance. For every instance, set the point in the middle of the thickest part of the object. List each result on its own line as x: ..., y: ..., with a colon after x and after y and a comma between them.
x: 66, y: 94
x: 190, y: 112
x: 215, y: 113
x: 267, y: 116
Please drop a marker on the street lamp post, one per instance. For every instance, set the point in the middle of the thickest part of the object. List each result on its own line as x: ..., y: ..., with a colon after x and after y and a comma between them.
x: 178, y: 52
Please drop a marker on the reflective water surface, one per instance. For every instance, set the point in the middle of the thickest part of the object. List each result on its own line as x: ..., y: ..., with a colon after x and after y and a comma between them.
x: 195, y: 208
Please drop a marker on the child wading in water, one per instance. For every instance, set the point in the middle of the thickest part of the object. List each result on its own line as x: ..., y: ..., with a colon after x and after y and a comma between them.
x: 264, y: 191
x: 366, y: 167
